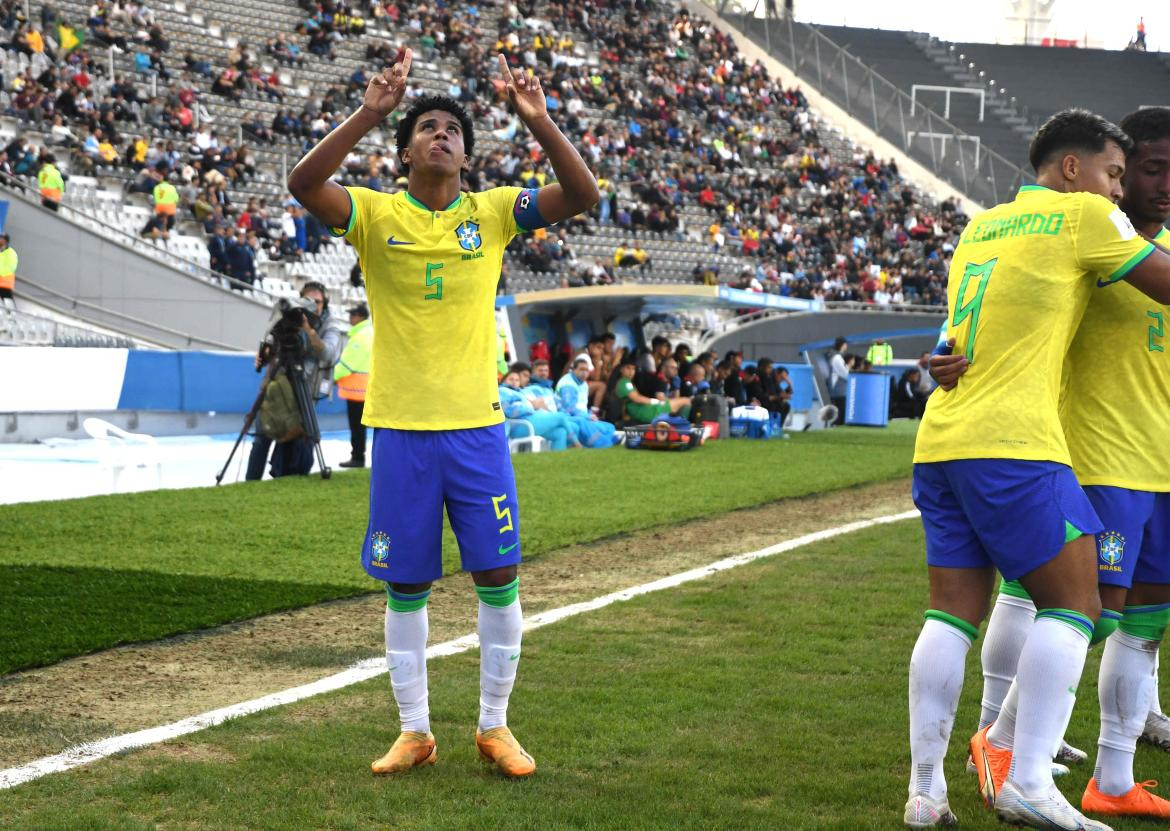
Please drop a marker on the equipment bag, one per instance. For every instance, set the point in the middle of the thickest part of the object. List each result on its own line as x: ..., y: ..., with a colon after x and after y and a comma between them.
x: 280, y: 417
x: 707, y: 407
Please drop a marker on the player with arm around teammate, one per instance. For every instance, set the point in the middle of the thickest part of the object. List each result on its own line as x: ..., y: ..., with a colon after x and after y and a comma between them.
x: 992, y: 473
x: 431, y: 256
x: 1115, y: 410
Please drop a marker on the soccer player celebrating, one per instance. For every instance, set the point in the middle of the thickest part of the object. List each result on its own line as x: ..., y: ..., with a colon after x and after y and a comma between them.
x: 1116, y: 413
x: 431, y: 256
x: 992, y: 476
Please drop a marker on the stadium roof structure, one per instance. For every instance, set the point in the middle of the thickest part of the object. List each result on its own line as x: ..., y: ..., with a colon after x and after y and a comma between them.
x: 632, y: 301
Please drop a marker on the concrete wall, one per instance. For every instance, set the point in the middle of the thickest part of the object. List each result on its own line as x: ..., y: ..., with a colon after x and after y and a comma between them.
x: 132, y: 293
x: 778, y: 338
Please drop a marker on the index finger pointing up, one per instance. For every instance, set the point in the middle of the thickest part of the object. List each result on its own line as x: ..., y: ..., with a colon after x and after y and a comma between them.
x: 406, y: 62
x: 504, y: 70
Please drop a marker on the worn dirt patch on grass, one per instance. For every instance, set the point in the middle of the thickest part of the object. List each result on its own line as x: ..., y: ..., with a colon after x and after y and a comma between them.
x: 130, y: 688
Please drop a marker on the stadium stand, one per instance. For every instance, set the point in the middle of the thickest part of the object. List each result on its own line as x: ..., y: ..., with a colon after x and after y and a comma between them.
x: 744, y: 184
x: 1016, y: 98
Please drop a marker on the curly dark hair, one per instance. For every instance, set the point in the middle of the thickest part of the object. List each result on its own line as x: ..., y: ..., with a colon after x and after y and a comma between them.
x: 425, y: 104
x: 1147, y: 124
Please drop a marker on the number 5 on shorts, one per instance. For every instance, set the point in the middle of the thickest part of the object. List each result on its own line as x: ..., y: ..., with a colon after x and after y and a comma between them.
x: 970, y: 309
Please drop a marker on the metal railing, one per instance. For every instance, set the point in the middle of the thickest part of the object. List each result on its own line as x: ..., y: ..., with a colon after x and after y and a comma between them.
x: 982, y: 174
x: 137, y: 244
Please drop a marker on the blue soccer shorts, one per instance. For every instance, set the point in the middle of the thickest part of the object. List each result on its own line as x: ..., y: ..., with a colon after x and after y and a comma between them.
x: 1009, y: 513
x: 414, y: 474
x: 1133, y: 545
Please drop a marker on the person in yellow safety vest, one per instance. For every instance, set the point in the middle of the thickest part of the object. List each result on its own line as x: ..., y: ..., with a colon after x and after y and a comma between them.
x: 49, y: 180
x: 8, y: 261
x: 352, y: 373
x: 166, y: 204
x: 501, y: 353
x: 880, y: 353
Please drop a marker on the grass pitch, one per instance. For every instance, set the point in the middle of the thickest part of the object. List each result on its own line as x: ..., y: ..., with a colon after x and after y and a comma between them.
x: 87, y: 574
x: 769, y: 696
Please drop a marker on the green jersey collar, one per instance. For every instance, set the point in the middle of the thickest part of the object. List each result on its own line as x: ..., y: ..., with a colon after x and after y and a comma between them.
x: 1033, y: 188
x: 423, y: 207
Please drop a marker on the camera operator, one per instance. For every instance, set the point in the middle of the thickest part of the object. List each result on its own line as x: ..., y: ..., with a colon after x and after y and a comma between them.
x: 323, y: 335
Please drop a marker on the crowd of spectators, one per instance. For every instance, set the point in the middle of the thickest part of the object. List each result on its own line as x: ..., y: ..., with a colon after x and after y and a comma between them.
x: 686, y: 123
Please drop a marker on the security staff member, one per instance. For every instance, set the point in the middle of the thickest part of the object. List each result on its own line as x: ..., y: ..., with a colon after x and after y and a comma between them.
x: 8, y: 261
x: 352, y: 373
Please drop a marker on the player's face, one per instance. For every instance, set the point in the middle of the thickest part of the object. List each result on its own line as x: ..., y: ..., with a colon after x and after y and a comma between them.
x: 437, y: 144
x: 1100, y: 173
x: 1147, y: 182
x: 540, y: 372
x: 581, y: 371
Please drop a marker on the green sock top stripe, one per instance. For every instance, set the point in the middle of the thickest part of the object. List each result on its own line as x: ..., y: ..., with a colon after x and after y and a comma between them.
x: 499, y: 596
x: 1071, y: 618
x: 963, y: 626
x: 401, y: 602
x: 1146, y: 622
x: 1013, y: 588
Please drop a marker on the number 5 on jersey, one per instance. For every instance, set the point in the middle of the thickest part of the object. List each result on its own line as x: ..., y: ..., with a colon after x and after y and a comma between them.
x: 970, y: 308
x: 435, y: 281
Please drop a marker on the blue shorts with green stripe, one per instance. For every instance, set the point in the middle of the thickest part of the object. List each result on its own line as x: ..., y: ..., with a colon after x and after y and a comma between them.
x: 414, y: 475
x: 1134, y: 545
x: 1008, y: 513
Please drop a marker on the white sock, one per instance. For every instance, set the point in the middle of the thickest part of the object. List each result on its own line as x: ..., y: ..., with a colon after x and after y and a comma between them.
x: 936, y: 680
x: 1155, y: 701
x: 1049, y: 670
x: 1124, y: 688
x: 1003, y: 732
x: 500, y: 628
x: 1007, y: 630
x: 406, y: 658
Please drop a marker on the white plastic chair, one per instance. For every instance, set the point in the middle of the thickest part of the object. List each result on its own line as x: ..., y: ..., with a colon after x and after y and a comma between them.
x: 120, y: 450
x: 531, y: 443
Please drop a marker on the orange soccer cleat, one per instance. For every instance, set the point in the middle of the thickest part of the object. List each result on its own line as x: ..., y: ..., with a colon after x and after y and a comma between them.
x: 1137, y: 802
x: 500, y: 747
x: 410, y: 750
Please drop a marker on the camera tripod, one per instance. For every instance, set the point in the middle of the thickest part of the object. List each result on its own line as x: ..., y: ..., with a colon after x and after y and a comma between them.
x: 295, y: 373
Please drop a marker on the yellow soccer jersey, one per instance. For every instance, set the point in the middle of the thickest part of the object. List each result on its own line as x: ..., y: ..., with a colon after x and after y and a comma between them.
x: 1116, y: 402
x: 1019, y: 282
x: 431, y: 280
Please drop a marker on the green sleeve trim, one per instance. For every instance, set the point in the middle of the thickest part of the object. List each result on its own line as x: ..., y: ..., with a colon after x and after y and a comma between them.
x: 1106, y: 625
x: 499, y: 596
x: 1071, y: 532
x: 337, y: 232
x: 963, y: 626
x: 1014, y: 588
x: 1129, y: 264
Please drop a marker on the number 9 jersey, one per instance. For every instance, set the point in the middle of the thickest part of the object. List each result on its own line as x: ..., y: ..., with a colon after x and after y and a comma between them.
x: 1019, y: 282
x: 431, y: 279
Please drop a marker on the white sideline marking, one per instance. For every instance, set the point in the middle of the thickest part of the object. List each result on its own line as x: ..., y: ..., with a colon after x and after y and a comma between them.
x: 83, y: 754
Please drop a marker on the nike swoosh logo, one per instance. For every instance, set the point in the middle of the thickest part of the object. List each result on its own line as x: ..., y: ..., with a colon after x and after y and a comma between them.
x: 504, y: 551
x: 392, y: 241
x: 513, y: 657
x: 1101, y: 284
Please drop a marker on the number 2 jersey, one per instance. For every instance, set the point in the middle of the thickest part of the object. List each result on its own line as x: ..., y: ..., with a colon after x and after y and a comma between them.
x: 1020, y: 280
x: 431, y: 279
x: 1116, y: 400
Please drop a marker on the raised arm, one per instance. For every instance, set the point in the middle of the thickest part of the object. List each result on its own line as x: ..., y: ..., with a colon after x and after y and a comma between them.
x: 310, y: 183
x: 575, y: 190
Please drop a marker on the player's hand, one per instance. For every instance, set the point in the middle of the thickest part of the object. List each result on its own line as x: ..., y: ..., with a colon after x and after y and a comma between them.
x: 386, y: 88
x: 947, y: 369
x: 524, y: 92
